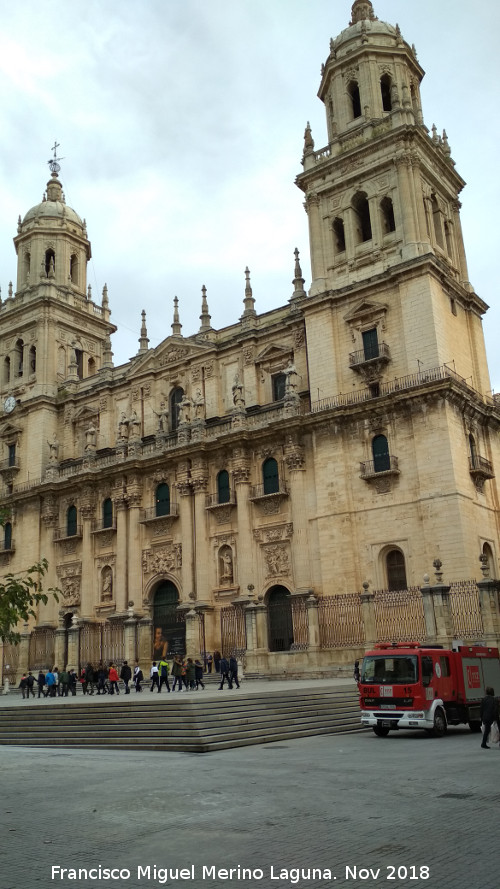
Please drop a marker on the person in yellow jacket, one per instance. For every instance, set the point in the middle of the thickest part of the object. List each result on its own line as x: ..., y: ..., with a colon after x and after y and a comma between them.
x: 163, y: 670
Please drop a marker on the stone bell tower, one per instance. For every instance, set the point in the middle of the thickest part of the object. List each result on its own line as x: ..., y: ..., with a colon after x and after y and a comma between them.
x: 382, y: 199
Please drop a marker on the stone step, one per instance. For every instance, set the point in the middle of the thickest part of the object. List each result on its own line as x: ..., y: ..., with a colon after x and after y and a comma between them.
x: 185, y: 725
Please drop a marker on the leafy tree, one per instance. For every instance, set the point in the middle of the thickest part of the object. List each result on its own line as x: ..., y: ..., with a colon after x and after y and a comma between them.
x: 19, y: 596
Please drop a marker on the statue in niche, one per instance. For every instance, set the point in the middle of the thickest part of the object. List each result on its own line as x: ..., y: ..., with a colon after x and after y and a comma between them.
x: 53, y: 449
x: 162, y: 417
x: 198, y: 404
x: 291, y: 382
x: 107, y: 585
x: 183, y: 408
x: 90, y: 437
x: 238, y: 396
x: 226, y: 572
x: 135, y: 425
x: 123, y: 427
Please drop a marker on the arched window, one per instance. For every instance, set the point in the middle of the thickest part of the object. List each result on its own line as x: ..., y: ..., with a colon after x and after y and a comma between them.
x: 73, y: 268
x: 472, y: 451
x: 279, y: 609
x: 223, y: 489
x: 388, y: 221
x: 385, y: 88
x: 338, y: 235
x: 91, y: 367
x: 71, y: 522
x: 353, y: 90
x: 380, y: 451
x: 362, y: 212
x: 447, y: 235
x: 50, y: 262
x: 270, y: 476
x: 32, y: 359
x: 79, y: 363
x: 279, y: 387
x: 436, y: 219
x: 396, y: 571
x: 175, y: 399
x: 7, y: 536
x: 107, y: 513
x: 18, y: 351
x: 162, y: 500
x: 6, y: 369
x: 27, y: 266
x: 488, y: 552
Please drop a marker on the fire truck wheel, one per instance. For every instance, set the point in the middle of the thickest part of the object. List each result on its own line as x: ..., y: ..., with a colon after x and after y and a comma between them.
x: 440, y: 726
x: 475, y: 725
x: 380, y: 732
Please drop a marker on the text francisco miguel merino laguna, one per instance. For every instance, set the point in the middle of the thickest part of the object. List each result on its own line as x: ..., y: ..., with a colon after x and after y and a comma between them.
x: 163, y: 875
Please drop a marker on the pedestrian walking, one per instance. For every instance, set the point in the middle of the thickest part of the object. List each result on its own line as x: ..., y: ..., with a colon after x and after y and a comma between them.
x: 83, y: 680
x: 356, y: 673
x: 138, y: 677
x: 198, y: 674
x: 64, y: 683
x: 73, y: 679
x: 50, y: 682
x: 126, y: 676
x: 217, y: 660
x: 224, y: 672
x: 57, y: 682
x: 177, y: 673
x: 155, y: 677
x: 113, y: 680
x: 23, y: 685
x: 210, y: 661
x: 190, y: 675
x: 102, y: 675
x: 163, y: 673
x: 41, y: 684
x: 489, y: 715
x: 31, y: 682
x: 233, y: 671
x: 90, y: 677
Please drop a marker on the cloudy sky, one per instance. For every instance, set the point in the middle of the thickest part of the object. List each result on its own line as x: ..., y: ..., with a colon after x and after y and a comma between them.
x: 181, y: 127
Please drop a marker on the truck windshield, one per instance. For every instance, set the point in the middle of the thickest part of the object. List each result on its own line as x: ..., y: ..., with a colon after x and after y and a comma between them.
x: 390, y: 668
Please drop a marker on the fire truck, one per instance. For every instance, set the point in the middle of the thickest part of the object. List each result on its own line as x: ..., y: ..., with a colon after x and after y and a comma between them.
x: 406, y: 685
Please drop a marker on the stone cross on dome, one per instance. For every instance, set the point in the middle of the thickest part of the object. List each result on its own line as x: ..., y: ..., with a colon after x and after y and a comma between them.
x: 54, y: 161
x: 362, y: 10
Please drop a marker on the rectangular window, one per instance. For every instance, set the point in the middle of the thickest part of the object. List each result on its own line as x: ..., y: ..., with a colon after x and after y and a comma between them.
x: 370, y: 343
x: 12, y: 455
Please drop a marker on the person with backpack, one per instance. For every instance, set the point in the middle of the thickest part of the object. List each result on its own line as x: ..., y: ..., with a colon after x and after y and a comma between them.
x: 138, y: 677
x: 163, y: 672
x: 177, y: 672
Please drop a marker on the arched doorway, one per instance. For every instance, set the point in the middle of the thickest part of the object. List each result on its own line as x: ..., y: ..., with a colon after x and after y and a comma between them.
x: 169, y: 624
x: 279, y: 609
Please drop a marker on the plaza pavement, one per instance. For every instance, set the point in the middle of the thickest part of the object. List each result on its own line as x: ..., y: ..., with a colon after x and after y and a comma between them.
x: 329, y: 802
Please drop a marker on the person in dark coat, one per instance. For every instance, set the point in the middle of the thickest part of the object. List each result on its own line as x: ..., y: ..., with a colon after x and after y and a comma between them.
x: 102, y: 675
x: 217, y: 660
x: 224, y: 672
x: 233, y: 671
x: 190, y: 674
x: 356, y: 673
x: 198, y: 674
x: 126, y: 675
x: 177, y: 673
x: 73, y: 679
x: 31, y: 681
x: 41, y: 684
x: 489, y: 714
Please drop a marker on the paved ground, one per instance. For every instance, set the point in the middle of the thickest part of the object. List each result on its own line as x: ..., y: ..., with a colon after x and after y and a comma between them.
x: 355, y: 805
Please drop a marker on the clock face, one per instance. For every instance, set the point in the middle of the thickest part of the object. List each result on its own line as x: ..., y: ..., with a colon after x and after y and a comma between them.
x: 9, y: 404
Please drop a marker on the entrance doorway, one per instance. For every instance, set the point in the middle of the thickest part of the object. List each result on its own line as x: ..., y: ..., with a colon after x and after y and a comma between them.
x: 169, y: 624
x: 279, y: 608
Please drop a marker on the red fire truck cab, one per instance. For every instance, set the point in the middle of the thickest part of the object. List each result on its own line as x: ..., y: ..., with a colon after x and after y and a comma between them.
x: 405, y: 685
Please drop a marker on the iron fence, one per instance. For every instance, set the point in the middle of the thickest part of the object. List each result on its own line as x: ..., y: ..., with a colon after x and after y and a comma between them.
x: 42, y: 648
x: 399, y: 615
x: 466, y: 610
x: 340, y: 621
x: 233, y: 631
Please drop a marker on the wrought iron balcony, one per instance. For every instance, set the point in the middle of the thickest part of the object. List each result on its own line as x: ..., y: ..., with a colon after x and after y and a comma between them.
x: 213, y: 501
x: 376, y: 356
x: 259, y: 492
x: 154, y: 514
x: 384, y: 466
x: 61, y: 534
x: 480, y: 467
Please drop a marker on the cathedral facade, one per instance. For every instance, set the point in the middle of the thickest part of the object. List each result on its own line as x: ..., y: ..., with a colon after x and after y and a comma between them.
x: 219, y: 489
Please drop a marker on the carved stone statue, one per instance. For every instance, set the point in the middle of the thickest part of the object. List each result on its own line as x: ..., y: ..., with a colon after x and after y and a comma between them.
x: 107, y: 585
x: 162, y: 417
x: 184, y: 410
x: 291, y: 382
x: 90, y: 437
x: 238, y: 396
x: 198, y: 404
x: 53, y: 449
x: 123, y: 427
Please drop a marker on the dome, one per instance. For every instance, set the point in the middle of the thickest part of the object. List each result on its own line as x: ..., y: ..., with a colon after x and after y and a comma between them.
x: 365, y: 28
x: 53, y: 207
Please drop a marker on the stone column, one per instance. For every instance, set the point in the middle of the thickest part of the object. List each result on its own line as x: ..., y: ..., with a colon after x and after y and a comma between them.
x: 130, y: 630
x: 201, y: 549
x: 241, y: 481
x: 187, y: 530
x: 87, y: 582
x: 459, y: 242
x: 407, y: 207
x: 261, y: 627
x: 440, y: 594
x: 59, y: 650
x: 419, y: 201
x: 74, y: 647
x: 316, y: 241
x: 295, y: 460
x: 121, y: 579
x: 24, y: 653
x: 488, y: 597
x: 134, y: 580
x: 428, y: 603
x: 144, y: 642
x: 192, y: 634
x: 368, y: 615
x: 313, y: 623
